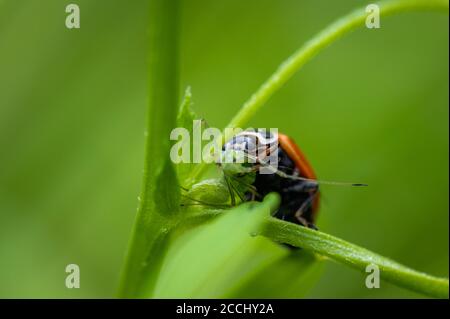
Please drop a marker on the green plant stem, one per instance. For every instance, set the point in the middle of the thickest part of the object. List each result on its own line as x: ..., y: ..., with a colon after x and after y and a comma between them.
x: 355, y: 256
x: 311, y: 48
x: 339, y: 251
x: 159, y: 200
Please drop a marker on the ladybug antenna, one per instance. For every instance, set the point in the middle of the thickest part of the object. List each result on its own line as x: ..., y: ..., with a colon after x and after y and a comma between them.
x: 320, y: 182
x: 283, y: 174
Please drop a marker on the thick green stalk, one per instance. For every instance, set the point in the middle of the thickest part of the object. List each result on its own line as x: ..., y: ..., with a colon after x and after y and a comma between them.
x: 159, y: 200
x: 355, y: 257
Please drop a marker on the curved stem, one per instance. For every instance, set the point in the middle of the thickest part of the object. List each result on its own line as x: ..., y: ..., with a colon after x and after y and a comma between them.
x: 311, y: 48
x: 355, y: 257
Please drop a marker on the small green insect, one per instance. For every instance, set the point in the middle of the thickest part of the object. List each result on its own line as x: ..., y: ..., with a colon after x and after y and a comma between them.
x: 232, y: 186
x: 239, y: 163
x: 293, y: 177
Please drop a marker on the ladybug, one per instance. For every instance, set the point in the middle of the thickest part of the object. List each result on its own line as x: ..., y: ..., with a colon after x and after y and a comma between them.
x: 294, y: 178
x: 299, y: 197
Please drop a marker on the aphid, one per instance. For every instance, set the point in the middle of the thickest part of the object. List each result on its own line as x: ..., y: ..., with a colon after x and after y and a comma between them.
x: 292, y: 176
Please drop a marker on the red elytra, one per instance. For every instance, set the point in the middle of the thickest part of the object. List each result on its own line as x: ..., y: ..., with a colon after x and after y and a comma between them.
x: 301, y: 162
x: 295, y: 181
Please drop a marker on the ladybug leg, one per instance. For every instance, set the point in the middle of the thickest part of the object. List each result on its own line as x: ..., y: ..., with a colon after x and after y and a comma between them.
x: 303, y: 221
x: 233, y: 199
x: 194, y: 202
x: 307, y: 186
x: 306, y: 204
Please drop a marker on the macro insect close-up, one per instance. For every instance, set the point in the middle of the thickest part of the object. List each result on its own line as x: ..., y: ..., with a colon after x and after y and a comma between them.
x: 207, y: 149
x: 292, y: 177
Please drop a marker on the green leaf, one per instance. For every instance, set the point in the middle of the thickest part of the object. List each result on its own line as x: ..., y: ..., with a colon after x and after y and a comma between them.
x: 321, y: 244
x: 291, y: 276
x: 222, y: 259
x: 185, y: 119
x: 206, y: 260
x: 185, y: 114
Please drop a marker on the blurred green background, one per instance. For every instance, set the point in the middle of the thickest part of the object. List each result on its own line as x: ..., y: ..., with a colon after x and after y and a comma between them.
x: 371, y: 108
